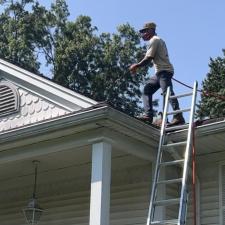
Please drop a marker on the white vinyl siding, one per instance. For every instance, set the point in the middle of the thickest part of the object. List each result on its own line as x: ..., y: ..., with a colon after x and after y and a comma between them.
x: 209, y: 190
x: 67, y: 201
x: 222, y: 194
x: 127, y: 208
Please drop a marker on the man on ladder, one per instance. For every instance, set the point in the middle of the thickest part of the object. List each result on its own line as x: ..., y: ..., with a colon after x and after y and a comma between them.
x: 158, y: 54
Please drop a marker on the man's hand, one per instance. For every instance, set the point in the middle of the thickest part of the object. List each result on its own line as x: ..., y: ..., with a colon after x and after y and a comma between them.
x: 144, y: 62
x: 133, y: 68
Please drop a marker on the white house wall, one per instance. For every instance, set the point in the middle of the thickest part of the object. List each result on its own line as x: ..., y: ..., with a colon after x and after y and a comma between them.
x: 33, y: 109
x: 209, y: 192
x: 207, y: 195
x: 208, y: 168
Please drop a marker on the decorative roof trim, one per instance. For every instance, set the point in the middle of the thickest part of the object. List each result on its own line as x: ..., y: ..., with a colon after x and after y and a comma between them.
x: 44, y: 87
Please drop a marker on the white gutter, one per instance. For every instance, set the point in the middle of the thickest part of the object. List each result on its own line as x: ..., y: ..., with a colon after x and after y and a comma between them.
x: 52, y: 124
x: 201, y: 130
x: 211, y: 128
x: 81, y: 118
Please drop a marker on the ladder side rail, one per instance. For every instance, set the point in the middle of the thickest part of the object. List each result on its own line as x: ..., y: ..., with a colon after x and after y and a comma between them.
x: 158, y: 160
x: 187, y: 154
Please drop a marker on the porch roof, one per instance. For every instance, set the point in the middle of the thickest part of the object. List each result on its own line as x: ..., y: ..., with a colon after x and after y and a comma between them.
x: 209, y: 134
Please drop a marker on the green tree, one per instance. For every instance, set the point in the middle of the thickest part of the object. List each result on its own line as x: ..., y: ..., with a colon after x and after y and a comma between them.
x: 97, y: 65
x: 16, y: 34
x: 52, y: 24
x: 75, y: 49
x: 27, y: 31
x: 211, y: 105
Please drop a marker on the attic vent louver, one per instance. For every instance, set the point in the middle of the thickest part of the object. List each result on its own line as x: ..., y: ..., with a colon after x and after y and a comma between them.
x: 8, y: 99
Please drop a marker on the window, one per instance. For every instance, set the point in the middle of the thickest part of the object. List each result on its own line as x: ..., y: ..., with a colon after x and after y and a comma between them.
x: 9, y: 98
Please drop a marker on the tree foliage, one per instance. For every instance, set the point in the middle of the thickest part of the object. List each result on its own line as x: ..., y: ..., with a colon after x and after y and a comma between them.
x: 97, y: 65
x: 17, y: 36
x: 82, y: 59
x: 211, y: 105
x: 27, y: 31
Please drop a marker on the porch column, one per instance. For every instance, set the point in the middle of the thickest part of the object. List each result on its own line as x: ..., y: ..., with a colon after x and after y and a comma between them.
x: 100, y: 184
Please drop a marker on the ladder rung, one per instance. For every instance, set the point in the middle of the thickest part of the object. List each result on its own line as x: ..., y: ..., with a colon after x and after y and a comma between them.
x: 174, y: 144
x: 182, y: 95
x: 179, y: 127
x: 166, y: 202
x: 170, y: 181
x: 179, y: 111
x: 170, y: 163
x: 174, y: 221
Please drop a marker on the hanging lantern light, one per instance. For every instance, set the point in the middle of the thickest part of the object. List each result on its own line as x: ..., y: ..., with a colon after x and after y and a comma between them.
x: 33, y: 211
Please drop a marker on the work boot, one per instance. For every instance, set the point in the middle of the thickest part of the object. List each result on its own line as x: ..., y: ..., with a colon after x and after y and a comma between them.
x: 178, y: 119
x: 146, y: 117
x: 158, y: 120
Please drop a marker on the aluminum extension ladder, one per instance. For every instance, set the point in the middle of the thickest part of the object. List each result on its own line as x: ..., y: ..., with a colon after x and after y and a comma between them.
x: 179, y: 202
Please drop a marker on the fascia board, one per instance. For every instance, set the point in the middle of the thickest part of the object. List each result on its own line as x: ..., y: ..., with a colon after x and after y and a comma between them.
x: 134, y: 125
x: 52, y: 125
x: 44, y: 87
x: 211, y: 128
x: 202, y: 130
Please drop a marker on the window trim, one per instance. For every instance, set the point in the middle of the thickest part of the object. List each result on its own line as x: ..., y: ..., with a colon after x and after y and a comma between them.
x: 15, y: 91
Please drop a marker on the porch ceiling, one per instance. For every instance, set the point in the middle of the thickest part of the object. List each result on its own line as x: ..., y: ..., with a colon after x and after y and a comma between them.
x: 56, y: 169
